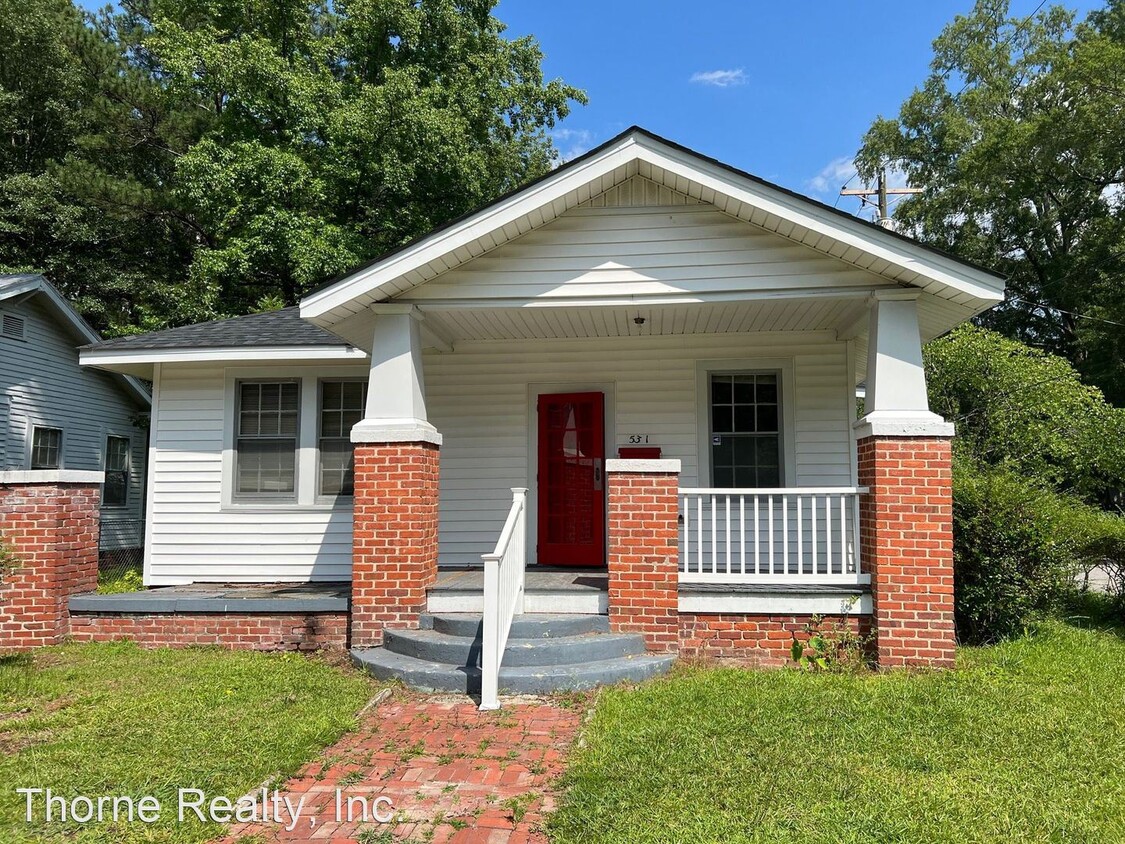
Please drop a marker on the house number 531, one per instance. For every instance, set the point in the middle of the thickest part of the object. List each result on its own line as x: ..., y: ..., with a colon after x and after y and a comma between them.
x: 638, y: 438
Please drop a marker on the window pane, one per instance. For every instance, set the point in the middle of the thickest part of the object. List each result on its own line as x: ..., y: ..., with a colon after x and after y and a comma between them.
x: 769, y: 477
x: 744, y: 419
x: 746, y: 416
x: 722, y: 453
x: 331, y: 424
x: 342, y: 405
x: 767, y: 451
x: 767, y: 417
x: 116, y: 453
x: 744, y: 389
x: 745, y: 451
x: 287, y: 423
x: 336, y: 469
x: 721, y: 389
x: 46, y: 448
x: 332, y: 395
x: 767, y: 388
x: 115, y: 490
x: 266, y: 466
x: 267, y: 437
x: 355, y: 395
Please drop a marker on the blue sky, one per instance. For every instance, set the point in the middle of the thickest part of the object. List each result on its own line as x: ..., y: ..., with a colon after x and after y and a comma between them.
x: 784, y: 90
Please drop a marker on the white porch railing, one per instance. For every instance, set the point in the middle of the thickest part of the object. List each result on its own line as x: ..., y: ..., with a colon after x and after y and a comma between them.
x: 504, y: 572
x: 791, y: 536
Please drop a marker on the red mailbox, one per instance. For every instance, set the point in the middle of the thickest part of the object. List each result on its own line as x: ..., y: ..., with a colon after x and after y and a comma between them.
x: 639, y: 452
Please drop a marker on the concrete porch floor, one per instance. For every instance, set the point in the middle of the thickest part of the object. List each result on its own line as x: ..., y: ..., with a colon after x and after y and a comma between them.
x: 546, y: 590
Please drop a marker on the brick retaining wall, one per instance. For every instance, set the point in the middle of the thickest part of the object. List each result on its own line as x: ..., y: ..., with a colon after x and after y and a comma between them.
x: 235, y: 631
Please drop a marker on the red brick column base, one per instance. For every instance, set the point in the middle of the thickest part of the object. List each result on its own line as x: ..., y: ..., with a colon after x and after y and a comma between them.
x: 644, y: 554
x: 394, y: 536
x: 906, y: 531
x: 52, y: 530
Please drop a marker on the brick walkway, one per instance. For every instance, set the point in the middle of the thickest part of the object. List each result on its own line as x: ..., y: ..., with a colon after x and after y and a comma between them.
x: 453, y: 775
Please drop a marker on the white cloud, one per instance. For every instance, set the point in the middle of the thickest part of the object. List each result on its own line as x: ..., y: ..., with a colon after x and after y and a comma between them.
x: 571, y: 143
x: 835, y: 173
x: 721, y: 78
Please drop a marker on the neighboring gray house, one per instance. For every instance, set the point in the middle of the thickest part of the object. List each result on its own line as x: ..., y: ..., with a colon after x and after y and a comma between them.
x: 57, y: 415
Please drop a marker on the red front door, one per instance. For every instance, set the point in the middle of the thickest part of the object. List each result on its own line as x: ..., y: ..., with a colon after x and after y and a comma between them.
x: 572, y: 479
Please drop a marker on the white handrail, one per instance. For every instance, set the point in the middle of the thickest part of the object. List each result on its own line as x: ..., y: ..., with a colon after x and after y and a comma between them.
x: 504, y: 571
x: 796, y: 535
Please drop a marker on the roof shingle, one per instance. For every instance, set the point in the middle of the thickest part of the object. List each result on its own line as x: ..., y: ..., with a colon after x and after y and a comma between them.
x: 276, y: 328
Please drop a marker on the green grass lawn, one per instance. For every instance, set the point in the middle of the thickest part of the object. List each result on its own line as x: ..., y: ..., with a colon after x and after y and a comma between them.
x: 1024, y: 742
x: 115, y: 719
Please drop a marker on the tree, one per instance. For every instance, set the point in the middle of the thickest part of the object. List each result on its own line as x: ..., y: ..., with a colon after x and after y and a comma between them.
x: 339, y: 131
x: 1027, y: 412
x: 72, y: 176
x: 178, y: 160
x: 1015, y: 140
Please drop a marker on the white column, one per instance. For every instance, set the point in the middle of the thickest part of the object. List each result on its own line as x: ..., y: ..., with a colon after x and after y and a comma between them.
x: 396, y: 389
x: 896, y: 403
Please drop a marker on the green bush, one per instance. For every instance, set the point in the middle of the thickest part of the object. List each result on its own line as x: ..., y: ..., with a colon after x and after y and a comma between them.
x: 1018, y: 549
x: 1038, y: 472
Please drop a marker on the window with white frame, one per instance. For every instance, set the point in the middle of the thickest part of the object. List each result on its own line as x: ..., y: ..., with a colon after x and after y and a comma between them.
x: 266, y: 438
x: 342, y: 403
x: 46, y: 447
x: 115, y: 489
x: 745, y: 429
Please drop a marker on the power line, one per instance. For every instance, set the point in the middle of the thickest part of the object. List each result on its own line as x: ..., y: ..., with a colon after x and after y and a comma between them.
x: 1021, y: 300
x: 1005, y: 42
x: 882, y: 176
x: 844, y: 187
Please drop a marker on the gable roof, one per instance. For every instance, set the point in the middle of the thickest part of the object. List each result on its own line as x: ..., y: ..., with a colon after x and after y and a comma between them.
x: 273, y: 329
x: 638, y: 151
x: 18, y: 287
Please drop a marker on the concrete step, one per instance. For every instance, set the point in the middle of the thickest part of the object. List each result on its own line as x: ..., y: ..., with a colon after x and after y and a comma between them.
x: 440, y: 676
x: 461, y: 650
x: 526, y: 626
x: 590, y: 601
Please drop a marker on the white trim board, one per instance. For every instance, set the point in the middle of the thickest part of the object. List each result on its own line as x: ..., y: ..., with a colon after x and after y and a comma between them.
x: 793, y: 603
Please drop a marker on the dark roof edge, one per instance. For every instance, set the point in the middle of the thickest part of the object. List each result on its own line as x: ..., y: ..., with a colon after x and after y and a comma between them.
x: 676, y: 146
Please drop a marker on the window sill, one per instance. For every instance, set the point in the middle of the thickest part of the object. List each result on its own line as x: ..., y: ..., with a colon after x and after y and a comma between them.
x: 282, y: 507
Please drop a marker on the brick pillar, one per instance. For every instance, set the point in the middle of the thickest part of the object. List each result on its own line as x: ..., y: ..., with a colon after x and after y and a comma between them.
x: 51, y: 528
x: 644, y: 550
x: 394, y: 536
x: 906, y: 527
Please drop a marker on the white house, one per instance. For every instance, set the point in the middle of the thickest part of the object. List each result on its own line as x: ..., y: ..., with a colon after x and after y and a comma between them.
x: 661, y: 349
x: 56, y: 416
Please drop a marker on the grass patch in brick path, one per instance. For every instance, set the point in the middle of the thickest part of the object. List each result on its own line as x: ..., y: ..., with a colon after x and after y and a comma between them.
x: 1023, y: 742
x: 115, y: 719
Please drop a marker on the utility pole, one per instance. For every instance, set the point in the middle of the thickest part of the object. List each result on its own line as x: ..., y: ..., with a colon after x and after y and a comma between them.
x: 882, y: 192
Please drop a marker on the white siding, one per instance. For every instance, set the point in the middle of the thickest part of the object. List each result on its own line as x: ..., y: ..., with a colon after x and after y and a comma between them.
x: 614, y: 252
x: 480, y: 399
x: 194, y: 537
x: 41, y: 383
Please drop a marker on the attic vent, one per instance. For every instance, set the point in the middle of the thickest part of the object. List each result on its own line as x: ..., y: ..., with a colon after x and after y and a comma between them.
x: 12, y: 327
